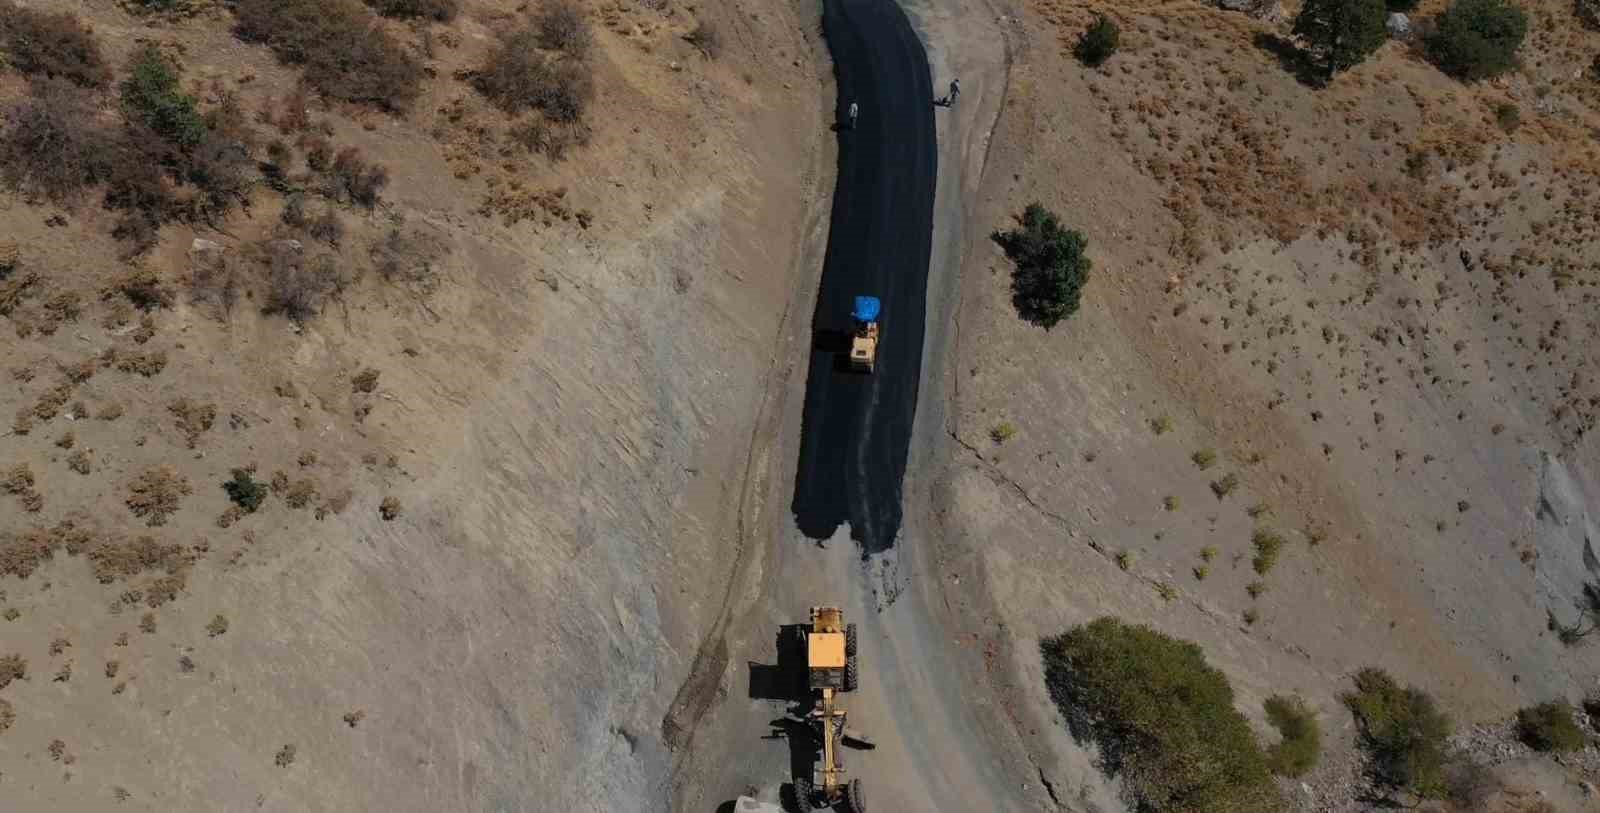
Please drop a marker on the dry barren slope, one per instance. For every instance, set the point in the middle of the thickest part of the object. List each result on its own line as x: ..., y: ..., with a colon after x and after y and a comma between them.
x: 563, y: 417
x: 1370, y: 303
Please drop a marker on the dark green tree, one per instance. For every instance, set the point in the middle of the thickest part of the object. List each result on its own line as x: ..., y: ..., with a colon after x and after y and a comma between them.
x: 244, y: 491
x: 1098, y: 42
x: 1477, y: 39
x: 1051, y: 267
x: 1342, y: 33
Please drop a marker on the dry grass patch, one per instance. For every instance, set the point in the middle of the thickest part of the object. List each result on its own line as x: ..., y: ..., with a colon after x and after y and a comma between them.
x: 156, y: 493
x: 52, y: 45
x: 338, y: 43
x: 12, y: 667
x: 193, y: 419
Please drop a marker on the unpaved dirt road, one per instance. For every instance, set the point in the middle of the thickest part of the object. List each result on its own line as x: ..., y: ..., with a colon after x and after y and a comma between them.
x: 944, y: 741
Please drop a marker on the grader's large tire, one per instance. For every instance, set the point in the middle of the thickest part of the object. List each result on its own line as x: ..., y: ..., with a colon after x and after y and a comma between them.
x: 852, y: 673
x: 803, y: 799
x: 854, y: 800
x: 850, y: 639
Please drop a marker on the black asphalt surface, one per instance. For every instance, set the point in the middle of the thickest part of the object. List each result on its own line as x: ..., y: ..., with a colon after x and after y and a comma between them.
x: 856, y: 429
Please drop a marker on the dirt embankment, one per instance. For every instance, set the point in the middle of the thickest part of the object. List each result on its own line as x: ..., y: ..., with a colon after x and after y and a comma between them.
x: 1358, y: 317
x: 558, y: 433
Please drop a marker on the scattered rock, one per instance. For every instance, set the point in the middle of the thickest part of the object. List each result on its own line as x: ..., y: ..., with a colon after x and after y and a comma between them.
x: 1399, y: 26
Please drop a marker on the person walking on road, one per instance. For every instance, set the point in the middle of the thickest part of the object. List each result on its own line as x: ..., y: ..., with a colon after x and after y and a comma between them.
x: 853, y: 111
x: 955, y: 89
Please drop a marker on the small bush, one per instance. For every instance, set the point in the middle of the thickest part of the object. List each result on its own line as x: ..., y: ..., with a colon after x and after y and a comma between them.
x: 218, y: 625
x: 1588, y: 13
x: 155, y: 494
x: 51, y: 45
x: 552, y: 139
x: 1256, y: 588
x: 1204, y: 458
x: 1550, y: 727
x: 80, y: 462
x: 1170, y: 502
x: 706, y: 38
x: 1051, y: 267
x: 1402, y: 732
x: 8, y: 715
x: 390, y: 508
x: 297, y: 287
x: 1225, y: 485
x: 1267, y: 544
x: 192, y: 418
x: 1477, y: 39
x: 1508, y: 116
x: 407, y: 257
x: 338, y: 44
x: 365, y: 381
x: 442, y: 11
x: 561, y: 26
x: 353, y: 179
x: 327, y: 227
x: 285, y: 756
x: 1163, y: 718
x: 51, y: 145
x: 153, y: 96
x: 518, y: 76
x: 1300, y: 741
x: 1098, y: 42
x: 354, y: 718
x: 244, y: 491
x: 1161, y: 425
x: 12, y: 667
x: 1124, y: 559
x: 1002, y: 432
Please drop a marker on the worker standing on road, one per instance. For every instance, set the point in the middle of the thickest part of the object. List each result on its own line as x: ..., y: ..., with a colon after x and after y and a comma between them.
x: 853, y: 111
x: 955, y: 89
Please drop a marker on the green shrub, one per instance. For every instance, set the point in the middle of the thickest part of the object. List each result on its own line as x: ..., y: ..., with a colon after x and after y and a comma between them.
x: 50, y: 44
x: 1402, y: 732
x: 1507, y: 115
x: 1204, y: 458
x: 244, y: 491
x: 437, y: 10
x: 1300, y: 740
x: 338, y: 43
x: 1051, y: 267
x: 1341, y: 34
x: 1550, y: 727
x: 1098, y: 42
x: 153, y: 96
x: 1163, y: 718
x: 1002, y: 432
x: 1268, y: 544
x: 1477, y: 39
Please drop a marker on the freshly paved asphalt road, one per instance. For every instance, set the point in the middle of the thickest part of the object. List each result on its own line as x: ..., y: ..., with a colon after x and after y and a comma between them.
x: 856, y: 429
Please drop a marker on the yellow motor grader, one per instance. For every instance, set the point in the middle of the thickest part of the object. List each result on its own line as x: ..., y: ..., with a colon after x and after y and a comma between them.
x: 832, y: 667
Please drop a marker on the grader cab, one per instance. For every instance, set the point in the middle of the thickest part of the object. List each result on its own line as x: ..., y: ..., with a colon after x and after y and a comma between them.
x: 864, y: 339
x: 832, y: 667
